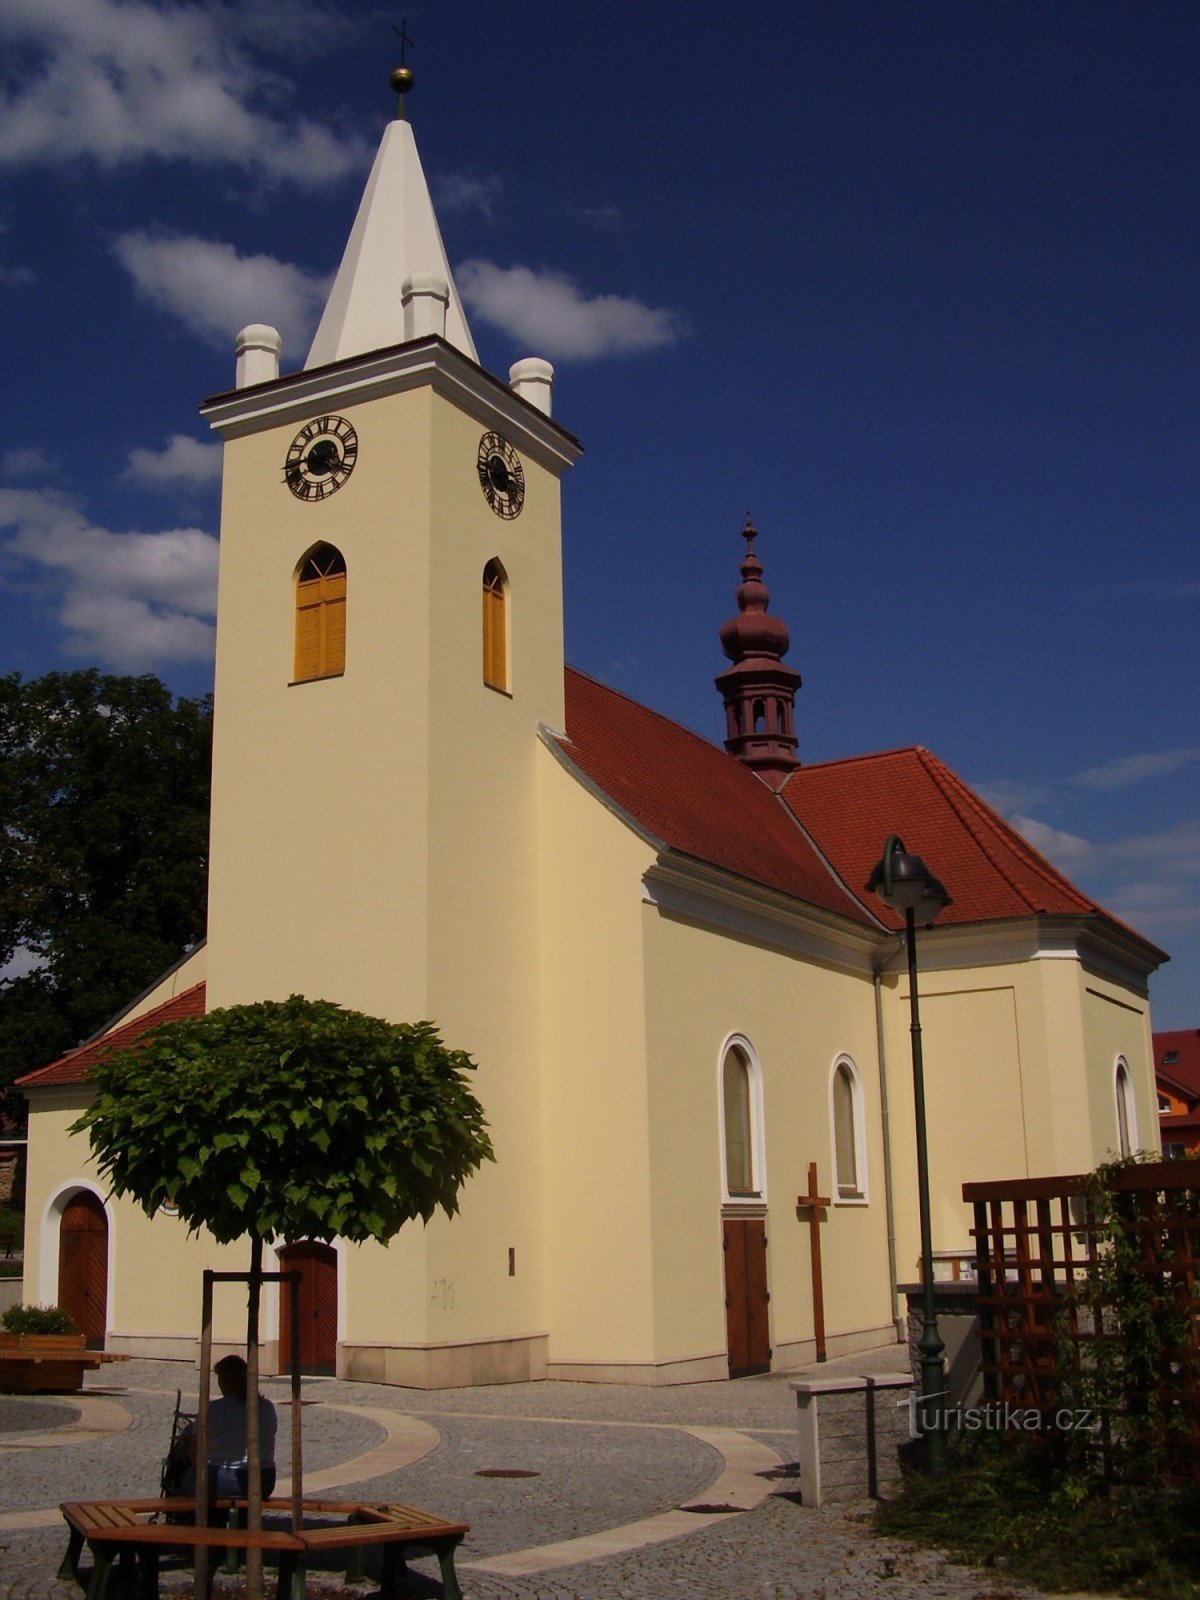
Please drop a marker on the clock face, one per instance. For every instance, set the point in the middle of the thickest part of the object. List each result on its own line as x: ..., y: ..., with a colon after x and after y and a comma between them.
x: 320, y: 458
x: 501, y: 476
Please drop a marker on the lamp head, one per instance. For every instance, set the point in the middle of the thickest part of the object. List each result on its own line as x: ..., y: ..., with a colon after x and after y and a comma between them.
x: 903, y: 882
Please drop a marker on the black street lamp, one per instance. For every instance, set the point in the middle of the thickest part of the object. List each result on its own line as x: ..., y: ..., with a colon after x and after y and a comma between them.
x: 904, y: 883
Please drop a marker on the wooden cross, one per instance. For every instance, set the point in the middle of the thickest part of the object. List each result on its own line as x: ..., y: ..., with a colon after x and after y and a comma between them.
x: 812, y: 1203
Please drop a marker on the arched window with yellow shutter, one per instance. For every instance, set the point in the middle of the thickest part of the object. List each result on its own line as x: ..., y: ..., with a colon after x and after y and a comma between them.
x: 495, y: 627
x: 320, y: 614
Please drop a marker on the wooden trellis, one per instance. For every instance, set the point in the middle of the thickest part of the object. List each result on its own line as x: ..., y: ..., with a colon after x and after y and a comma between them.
x: 1036, y: 1248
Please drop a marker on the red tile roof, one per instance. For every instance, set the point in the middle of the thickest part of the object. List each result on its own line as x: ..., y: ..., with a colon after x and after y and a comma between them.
x: 692, y: 796
x: 697, y: 799
x: 76, y: 1065
x: 989, y: 870
x: 1182, y: 1074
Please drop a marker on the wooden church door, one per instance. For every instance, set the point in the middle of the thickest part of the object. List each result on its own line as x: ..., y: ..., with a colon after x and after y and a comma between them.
x: 746, y: 1295
x: 314, y: 1306
x: 83, y: 1266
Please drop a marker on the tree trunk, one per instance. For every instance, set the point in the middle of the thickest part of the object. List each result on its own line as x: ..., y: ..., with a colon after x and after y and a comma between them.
x: 254, y: 1558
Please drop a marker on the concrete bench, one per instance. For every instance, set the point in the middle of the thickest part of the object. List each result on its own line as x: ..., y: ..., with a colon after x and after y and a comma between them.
x: 846, y: 1465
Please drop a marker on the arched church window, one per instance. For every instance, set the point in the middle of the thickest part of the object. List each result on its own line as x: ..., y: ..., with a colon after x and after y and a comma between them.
x: 740, y: 1106
x: 320, y: 614
x: 760, y: 717
x: 1126, y: 1118
x: 495, y: 626
x: 849, y: 1132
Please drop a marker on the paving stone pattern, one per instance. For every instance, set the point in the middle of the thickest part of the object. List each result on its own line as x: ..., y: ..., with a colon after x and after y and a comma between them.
x: 605, y: 1455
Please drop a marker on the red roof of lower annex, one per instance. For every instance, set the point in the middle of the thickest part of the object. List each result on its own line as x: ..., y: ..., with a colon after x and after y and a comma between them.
x: 692, y: 796
x: 76, y: 1065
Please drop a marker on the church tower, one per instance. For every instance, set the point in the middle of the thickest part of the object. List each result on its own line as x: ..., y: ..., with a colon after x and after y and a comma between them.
x: 759, y: 691
x: 389, y: 640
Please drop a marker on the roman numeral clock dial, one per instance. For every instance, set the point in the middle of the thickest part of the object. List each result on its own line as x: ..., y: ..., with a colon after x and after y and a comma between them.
x: 320, y: 458
x: 501, y: 476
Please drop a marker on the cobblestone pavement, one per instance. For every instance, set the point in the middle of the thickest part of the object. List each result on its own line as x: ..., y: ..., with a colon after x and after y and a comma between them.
x: 602, y: 1457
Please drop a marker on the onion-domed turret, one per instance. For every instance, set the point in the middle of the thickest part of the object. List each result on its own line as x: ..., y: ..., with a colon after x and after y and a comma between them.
x: 759, y: 691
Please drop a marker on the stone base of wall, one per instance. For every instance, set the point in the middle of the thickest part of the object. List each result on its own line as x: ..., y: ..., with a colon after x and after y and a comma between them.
x: 457, y: 1366
x: 958, y: 1324
x: 787, y: 1355
x: 696, y: 1369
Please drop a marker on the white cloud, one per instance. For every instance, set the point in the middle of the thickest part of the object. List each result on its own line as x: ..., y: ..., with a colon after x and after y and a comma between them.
x: 454, y: 192
x: 126, y: 600
x: 190, y: 462
x: 26, y: 462
x: 1128, y: 770
x: 550, y: 314
x: 215, y: 292
x: 120, y: 81
x: 1067, y: 851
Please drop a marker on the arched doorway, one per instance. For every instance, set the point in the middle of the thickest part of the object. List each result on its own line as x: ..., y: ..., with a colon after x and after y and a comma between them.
x: 83, y: 1266
x: 314, y: 1307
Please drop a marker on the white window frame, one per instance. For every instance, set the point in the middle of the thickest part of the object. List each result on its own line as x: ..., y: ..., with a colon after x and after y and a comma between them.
x: 858, y: 1109
x: 758, y: 1155
x: 1123, y: 1099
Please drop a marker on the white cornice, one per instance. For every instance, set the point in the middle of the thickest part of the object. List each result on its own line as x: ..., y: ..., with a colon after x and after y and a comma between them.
x: 288, y: 400
x: 681, y: 886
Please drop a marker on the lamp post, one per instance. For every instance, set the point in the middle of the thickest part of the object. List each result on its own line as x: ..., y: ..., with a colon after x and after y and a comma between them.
x: 904, y: 883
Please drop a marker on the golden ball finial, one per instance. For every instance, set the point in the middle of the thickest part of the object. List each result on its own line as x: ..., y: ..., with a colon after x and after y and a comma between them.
x: 401, y: 80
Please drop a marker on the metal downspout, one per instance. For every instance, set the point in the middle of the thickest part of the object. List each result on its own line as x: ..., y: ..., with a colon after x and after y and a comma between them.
x: 900, y: 1323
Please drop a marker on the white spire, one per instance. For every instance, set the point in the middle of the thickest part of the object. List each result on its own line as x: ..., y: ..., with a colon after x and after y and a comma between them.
x: 395, y: 238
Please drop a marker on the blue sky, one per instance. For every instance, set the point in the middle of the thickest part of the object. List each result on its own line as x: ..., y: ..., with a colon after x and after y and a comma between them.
x: 915, y: 284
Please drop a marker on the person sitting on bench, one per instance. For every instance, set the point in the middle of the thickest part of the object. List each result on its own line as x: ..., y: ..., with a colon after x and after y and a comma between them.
x: 227, y: 1466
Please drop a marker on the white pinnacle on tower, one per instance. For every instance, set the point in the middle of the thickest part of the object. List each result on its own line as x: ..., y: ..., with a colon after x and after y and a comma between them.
x: 395, y: 240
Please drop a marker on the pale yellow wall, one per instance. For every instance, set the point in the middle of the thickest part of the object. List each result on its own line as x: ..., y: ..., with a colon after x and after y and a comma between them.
x: 799, y: 1015
x: 155, y: 1265
x: 976, y: 1120
x: 317, y: 882
x: 374, y: 836
x: 1018, y: 1060
x: 1117, y: 1023
x: 597, y: 1197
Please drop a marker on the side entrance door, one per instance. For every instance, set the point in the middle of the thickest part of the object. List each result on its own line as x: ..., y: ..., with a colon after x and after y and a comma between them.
x: 746, y: 1295
x: 83, y: 1266
x: 314, y: 1306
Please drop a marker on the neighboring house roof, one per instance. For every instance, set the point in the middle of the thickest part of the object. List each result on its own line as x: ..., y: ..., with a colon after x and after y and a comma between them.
x: 76, y: 1065
x: 1182, y: 1073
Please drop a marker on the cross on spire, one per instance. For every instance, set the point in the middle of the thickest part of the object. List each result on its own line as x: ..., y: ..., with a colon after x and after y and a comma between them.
x: 402, y: 30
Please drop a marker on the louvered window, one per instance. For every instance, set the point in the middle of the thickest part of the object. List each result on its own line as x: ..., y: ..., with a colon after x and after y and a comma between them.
x: 495, y: 627
x: 321, y: 615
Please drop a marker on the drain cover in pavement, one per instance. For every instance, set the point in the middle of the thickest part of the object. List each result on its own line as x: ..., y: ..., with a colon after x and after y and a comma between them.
x: 506, y: 1472
x: 708, y: 1510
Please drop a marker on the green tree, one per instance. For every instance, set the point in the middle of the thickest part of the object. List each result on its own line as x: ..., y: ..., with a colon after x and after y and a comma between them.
x: 287, y: 1120
x: 104, y: 786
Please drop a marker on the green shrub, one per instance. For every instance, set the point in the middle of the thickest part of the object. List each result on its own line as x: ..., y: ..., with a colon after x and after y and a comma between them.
x: 37, y: 1319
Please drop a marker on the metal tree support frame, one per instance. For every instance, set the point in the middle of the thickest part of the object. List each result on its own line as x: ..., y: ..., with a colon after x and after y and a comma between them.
x: 1036, y: 1241
x: 253, y: 1279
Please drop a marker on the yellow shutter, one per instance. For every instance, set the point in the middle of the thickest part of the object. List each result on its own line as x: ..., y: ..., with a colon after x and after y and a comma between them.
x: 308, y: 631
x: 494, y: 642
x: 334, y: 653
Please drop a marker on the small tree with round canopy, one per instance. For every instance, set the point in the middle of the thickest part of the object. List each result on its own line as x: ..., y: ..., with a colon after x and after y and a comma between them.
x: 287, y: 1120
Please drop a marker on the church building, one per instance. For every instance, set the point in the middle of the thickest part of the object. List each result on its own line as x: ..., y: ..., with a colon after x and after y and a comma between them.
x: 662, y: 954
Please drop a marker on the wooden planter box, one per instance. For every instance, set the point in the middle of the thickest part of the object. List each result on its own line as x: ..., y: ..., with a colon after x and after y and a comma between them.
x: 44, y: 1363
